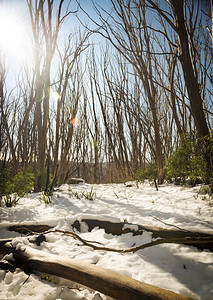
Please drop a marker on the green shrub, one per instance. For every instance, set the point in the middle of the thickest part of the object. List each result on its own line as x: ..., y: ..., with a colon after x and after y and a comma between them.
x: 3, y: 180
x: 188, y: 163
x: 149, y: 173
x: 43, y: 180
x: 206, y: 189
x: 22, y: 183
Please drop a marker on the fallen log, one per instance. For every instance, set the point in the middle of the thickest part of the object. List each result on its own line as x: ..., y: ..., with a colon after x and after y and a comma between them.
x: 199, y: 240
x: 26, y: 229
x: 40, y: 238
x: 35, y: 240
x: 119, y: 228
x: 157, y: 232
x: 99, y: 279
x: 3, y: 242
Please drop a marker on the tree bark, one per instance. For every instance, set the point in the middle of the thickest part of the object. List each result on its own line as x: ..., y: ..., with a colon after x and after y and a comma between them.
x: 188, y: 71
x: 99, y: 279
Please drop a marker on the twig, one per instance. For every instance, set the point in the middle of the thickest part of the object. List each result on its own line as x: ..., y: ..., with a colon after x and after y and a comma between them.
x: 26, y: 279
x: 75, y: 235
x: 168, y: 224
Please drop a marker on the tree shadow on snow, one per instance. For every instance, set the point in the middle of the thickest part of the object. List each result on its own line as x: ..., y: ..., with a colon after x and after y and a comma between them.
x: 180, y: 263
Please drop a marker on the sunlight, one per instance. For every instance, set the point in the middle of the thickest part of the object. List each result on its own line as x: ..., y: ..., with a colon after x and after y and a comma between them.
x: 12, y: 34
x: 55, y: 95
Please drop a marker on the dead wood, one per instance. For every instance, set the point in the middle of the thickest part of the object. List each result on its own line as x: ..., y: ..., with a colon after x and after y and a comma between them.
x: 3, y: 242
x: 197, y: 239
x: 28, y: 229
x: 186, y: 241
x: 35, y: 240
x: 123, y: 227
x: 157, y: 232
x: 6, y: 265
x: 99, y: 279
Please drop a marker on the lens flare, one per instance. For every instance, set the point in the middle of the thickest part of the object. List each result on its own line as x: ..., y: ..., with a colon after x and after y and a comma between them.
x: 55, y: 95
x: 76, y: 122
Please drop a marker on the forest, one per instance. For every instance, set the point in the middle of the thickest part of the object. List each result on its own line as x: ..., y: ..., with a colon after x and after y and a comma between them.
x: 106, y: 149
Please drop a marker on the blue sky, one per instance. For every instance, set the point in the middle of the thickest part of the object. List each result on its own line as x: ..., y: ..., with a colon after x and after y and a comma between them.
x: 18, y: 8
x: 17, y: 11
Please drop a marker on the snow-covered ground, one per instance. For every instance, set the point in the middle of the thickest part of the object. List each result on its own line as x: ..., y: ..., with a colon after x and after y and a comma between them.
x: 182, y: 269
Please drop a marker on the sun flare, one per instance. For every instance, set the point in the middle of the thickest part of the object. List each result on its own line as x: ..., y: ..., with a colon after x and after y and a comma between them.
x: 12, y: 33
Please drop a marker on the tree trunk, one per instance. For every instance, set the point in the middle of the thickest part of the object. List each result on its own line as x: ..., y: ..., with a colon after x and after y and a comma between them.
x: 5, y: 121
x: 99, y: 279
x: 188, y: 71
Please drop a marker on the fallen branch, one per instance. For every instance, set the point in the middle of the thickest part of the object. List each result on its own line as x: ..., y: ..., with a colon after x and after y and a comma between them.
x: 196, y: 239
x: 99, y: 279
x: 38, y: 239
x: 169, y: 224
x: 186, y: 241
x: 157, y: 232
x: 28, y: 229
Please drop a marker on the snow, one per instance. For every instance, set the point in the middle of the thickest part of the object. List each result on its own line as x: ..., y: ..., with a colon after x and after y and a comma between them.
x: 180, y: 268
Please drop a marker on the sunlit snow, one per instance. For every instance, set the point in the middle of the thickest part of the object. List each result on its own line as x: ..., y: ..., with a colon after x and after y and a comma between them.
x: 182, y: 269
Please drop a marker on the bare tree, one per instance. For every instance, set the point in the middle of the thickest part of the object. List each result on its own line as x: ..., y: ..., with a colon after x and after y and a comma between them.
x: 129, y: 34
x: 69, y: 65
x: 126, y: 27
x: 4, y: 106
x: 45, y: 35
x: 187, y: 56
